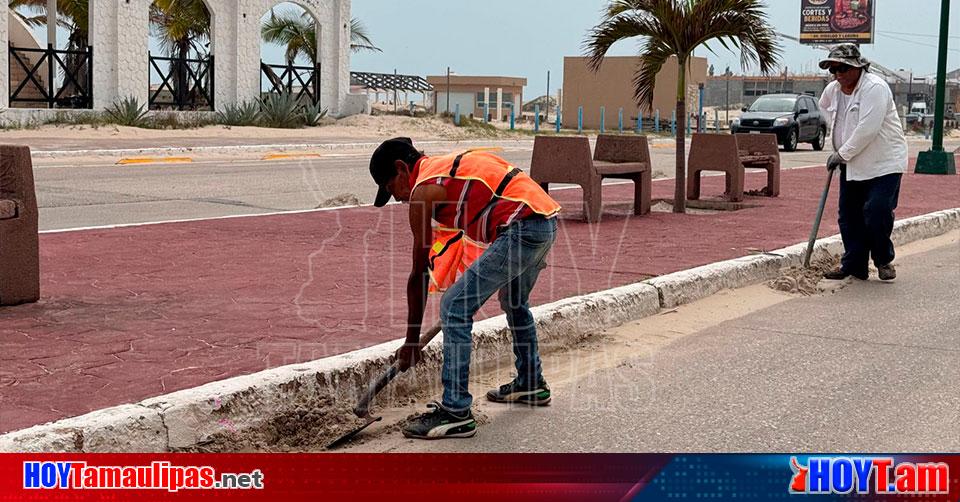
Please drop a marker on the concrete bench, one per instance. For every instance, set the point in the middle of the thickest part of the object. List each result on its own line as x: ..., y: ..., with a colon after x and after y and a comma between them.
x: 567, y: 159
x: 19, y: 239
x: 732, y: 154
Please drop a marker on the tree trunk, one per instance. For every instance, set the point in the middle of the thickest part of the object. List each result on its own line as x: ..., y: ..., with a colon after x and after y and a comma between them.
x: 680, y: 194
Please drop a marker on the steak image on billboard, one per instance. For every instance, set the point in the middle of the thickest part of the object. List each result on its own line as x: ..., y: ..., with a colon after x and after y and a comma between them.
x: 836, y: 21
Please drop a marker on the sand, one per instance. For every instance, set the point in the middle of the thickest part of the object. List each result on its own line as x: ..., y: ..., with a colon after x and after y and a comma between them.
x: 359, y: 127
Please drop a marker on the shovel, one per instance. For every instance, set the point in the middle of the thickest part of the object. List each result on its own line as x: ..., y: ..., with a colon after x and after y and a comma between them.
x: 362, y: 410
x: 816, y: 222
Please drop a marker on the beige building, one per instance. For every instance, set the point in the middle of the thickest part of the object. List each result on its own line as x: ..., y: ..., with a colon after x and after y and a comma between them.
x: 612, y: 88
x: 471, y: 93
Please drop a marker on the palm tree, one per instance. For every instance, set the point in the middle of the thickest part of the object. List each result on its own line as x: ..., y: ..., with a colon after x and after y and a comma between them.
x: 298, y: 32
x: 183, y: 30
x: 674, y: 28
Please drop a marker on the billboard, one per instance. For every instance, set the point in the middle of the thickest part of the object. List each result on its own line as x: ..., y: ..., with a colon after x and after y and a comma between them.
x: 834, y: 21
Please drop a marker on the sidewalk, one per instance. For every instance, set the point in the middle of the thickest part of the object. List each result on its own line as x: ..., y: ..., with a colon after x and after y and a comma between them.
x: 137, y: 312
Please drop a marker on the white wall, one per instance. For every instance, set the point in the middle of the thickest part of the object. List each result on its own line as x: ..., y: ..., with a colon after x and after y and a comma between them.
x: 119, y: 32
x: 467, y: 102
x: 4, y: 61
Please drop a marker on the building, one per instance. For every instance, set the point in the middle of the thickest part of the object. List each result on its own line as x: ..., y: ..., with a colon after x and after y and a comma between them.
x: 473, y: 94
x: 743, y: 90
x: 120, y: 64
x: 611, y: 88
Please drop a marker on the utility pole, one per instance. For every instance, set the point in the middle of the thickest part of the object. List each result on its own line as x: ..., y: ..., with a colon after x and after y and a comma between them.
x: 937, y: 160
x: 548, y: 97
x: 726, y: 110
x: 448, y: 89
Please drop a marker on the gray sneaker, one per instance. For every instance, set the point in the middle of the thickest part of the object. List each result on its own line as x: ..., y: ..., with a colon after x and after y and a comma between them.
x: 887, y: 272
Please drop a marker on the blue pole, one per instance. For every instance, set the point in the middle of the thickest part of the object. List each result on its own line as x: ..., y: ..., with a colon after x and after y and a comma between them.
x: 716, y: 119
x: 456, y: 117
x: 673, y: 123
x: 559, y: 119
x: 536, y: 118
x: 580, y: 120
x: 486, y: 113
x: 701, y: 127
x: 639, y: 122
x: 620, y: 121
x: 603, y: 119
x: 512, y: 121
x: 656, y: 122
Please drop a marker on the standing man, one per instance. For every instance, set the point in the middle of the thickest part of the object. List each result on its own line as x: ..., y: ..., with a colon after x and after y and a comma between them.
x: 871, y: 152
x: 495, y: 226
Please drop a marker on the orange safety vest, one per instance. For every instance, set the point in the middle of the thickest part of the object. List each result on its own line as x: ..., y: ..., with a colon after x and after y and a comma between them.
x: 452, y: 251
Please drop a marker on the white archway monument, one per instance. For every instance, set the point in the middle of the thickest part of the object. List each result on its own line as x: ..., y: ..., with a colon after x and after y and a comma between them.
x: 119, y: 34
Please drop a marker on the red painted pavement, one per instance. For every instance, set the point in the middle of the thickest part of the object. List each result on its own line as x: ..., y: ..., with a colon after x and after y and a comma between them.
x: 137, y: 312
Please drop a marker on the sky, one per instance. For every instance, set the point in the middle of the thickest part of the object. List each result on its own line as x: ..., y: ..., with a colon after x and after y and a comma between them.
x: 527, y: 38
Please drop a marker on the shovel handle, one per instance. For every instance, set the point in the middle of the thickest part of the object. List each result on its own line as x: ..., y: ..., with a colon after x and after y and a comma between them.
x: 363, y: 406
x: 816, y: 222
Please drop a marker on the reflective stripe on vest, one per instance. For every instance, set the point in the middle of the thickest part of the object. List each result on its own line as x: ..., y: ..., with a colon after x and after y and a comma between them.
x: 452, y: 251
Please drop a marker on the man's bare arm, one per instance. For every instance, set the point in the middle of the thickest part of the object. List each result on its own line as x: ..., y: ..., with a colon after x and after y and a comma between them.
x: 422, y: 202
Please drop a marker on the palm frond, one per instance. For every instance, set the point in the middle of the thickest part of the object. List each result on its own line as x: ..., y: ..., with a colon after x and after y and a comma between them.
x: 360, y: 38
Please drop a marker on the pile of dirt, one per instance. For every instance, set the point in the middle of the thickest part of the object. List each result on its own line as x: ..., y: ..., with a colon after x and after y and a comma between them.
x: 803, y: 281
x: 344, y: 199
x: 664, y: 206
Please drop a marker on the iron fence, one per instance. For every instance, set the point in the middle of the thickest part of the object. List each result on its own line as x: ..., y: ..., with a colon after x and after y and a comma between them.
x: 57, y: 79
x: 301, y: 81
x: 185, y: 83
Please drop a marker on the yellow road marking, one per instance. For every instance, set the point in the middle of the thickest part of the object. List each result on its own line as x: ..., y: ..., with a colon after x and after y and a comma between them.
x: 155, y: 160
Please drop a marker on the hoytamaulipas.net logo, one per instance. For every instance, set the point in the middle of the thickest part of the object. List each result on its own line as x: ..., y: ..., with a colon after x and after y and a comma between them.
x: 156, y: 476
x: 868, y: 475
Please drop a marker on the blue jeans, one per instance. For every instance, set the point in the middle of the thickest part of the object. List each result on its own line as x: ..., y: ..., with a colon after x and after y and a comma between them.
x: 866, y: 221
x: 511, y: 265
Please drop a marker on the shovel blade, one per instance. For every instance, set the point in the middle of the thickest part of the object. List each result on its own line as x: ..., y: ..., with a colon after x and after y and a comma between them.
x: 350, y: 435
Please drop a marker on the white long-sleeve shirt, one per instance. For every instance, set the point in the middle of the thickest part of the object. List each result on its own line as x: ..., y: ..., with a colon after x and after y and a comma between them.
x: 873, y: 143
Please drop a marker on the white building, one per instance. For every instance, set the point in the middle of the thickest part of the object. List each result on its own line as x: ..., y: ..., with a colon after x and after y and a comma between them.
x: 119, y: 33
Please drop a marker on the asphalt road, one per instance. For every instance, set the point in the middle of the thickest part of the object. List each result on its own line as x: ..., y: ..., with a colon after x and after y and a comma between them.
x: 84, y: 192
x: 872, y: 367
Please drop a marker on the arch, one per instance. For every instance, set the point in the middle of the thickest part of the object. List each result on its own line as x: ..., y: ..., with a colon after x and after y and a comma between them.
x: 290, y: 51
x: 30, y: 81
x: 180, y: 55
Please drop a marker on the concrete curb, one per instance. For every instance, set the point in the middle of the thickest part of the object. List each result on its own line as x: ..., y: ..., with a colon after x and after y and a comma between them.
x: 310, y: 403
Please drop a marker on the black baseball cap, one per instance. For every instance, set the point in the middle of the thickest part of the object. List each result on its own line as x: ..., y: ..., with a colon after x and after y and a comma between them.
x: 383, y: 168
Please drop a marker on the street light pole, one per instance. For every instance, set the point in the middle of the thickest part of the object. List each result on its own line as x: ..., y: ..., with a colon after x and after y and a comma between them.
x: 726, y: 109
x: 936, y: 160
x: 547, y: 106
x: 448, y: 89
